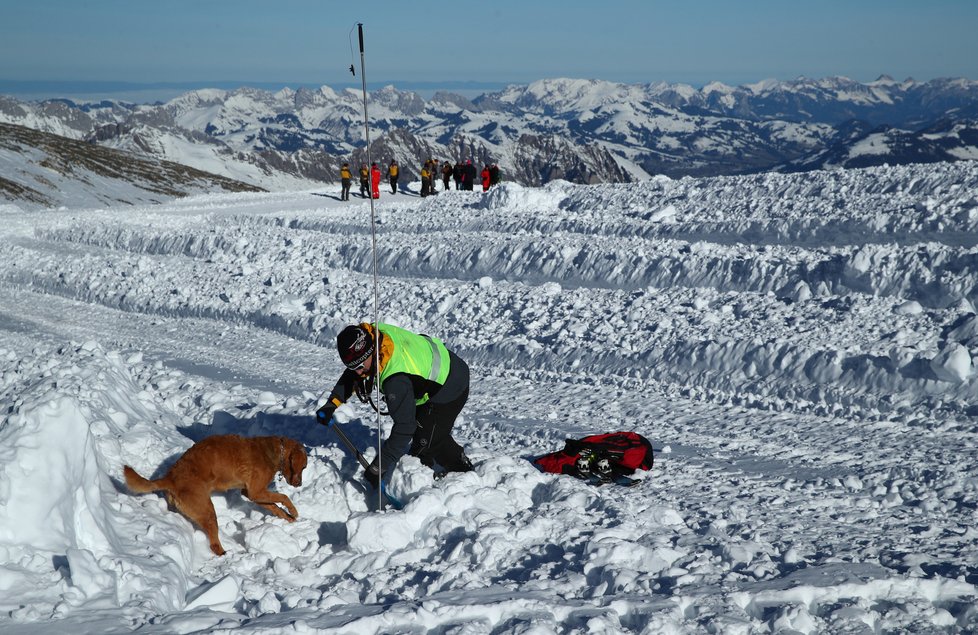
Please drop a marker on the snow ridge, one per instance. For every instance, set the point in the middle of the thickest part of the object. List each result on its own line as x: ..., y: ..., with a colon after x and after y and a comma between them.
x: 743, y: 282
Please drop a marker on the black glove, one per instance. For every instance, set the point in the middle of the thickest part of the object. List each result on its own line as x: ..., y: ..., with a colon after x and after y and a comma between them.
x: 372, y: 475
x: 325, y: 414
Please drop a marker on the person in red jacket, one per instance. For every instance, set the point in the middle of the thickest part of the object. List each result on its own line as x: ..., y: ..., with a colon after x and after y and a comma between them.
x: 485, y: 178
x: 375, y: 180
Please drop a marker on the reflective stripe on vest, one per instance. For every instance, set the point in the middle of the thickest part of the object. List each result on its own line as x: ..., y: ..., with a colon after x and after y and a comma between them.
x: 435, y: 359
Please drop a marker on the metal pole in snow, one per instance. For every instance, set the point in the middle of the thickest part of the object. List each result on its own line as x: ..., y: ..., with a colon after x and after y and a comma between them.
x: 373, y: 239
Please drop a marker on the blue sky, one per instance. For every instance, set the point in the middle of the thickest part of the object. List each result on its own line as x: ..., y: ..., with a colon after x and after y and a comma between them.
x: 636, y: 41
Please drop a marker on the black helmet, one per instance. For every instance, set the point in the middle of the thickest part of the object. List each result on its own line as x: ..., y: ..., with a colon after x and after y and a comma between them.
x: 355, y: 345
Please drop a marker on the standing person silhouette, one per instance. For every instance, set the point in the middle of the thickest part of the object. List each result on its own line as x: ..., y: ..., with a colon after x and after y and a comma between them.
x: 375, y: 180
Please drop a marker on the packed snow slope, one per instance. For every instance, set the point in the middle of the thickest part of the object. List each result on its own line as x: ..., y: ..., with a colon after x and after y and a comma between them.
x: 800, y: 349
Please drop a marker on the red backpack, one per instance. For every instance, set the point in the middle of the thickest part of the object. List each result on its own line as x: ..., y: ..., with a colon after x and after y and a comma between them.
x: 606, y: 457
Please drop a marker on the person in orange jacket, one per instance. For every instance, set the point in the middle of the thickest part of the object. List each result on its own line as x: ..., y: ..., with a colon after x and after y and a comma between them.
x: 446, y: 174
x: 485, y: 178
x: 375, y: 180
x: 425, y: 179
x: 364, y: 180
x: 345, y: 177
x: 393, y: 175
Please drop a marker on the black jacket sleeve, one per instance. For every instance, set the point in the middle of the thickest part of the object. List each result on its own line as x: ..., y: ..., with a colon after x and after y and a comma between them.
x: 399, y: 395
x: 344, y: 387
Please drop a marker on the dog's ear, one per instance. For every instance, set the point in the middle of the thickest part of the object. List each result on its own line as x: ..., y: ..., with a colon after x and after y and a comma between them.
x: 296, y: 463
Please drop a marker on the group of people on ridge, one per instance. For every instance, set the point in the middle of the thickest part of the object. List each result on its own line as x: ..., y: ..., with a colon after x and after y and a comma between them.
x: 369, y: 181
x: 463, y: 175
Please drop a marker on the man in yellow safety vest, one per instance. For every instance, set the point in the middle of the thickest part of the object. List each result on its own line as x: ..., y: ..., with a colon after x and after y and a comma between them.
x: 424, y: 384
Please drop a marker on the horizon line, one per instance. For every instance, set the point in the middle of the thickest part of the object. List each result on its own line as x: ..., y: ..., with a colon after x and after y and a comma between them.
x: 61, y: 89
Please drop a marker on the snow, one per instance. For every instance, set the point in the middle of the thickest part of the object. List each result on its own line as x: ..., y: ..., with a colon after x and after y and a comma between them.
x: 800, y: 349
x: 969, y: 153
x: 873, y: 144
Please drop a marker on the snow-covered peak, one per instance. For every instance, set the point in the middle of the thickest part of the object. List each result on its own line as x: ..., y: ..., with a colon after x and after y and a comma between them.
x: 717, y: 87
x: 572, y: 94
x: 884, y: 80
x: 199, y: 97
x: 764, y: 86
x: 285, y: 94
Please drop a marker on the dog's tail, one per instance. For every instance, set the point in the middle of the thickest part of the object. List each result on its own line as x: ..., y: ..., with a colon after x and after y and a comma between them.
x: 141, y: 485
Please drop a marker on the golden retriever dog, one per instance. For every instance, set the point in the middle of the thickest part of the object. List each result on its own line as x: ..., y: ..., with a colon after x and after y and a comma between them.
x: 223, y: 462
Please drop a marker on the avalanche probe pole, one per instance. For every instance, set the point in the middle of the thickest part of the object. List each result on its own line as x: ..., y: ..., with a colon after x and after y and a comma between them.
x: 381, y: 490
x: 345, y: 439
x: 373, y: 239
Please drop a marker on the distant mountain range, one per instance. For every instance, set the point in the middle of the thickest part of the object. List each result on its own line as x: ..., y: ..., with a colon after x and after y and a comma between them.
x: 46, y: 170
x: 944, y: 140
x: 583, y: 131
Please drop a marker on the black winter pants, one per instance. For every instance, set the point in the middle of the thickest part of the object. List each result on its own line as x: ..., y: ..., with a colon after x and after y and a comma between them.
x: 433, y: 442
